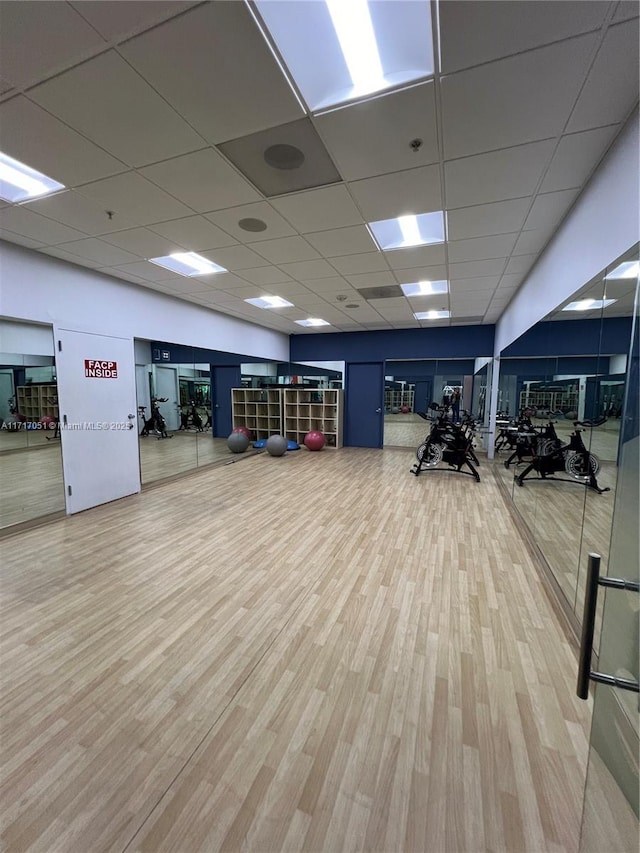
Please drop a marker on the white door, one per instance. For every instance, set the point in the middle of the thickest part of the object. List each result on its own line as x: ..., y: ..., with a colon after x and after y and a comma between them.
x: 167, y: 388
x: 97, y: 400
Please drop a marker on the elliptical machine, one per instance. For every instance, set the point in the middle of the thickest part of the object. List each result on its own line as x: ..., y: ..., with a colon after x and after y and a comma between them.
x: 447, y: 442
x: 573, y: 458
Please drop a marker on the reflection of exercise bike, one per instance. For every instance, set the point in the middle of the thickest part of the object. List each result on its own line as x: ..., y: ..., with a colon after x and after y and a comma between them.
x: 190, y: 418
x: 572, y: 458
x: 156, y: 423
x: 532, y: 441
x: 448, y: 442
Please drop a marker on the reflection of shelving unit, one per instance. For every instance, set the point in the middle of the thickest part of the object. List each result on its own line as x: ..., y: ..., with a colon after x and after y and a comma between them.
x: 313, y: 409
x: 549, y: 401
x: 260, y: 410
x: 394, y: 398
x: 38, y: 401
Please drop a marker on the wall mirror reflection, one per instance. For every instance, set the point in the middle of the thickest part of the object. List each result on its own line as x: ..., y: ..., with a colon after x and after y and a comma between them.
x: 30, y: 446
x: 563, y: 391
x: 412, y: 386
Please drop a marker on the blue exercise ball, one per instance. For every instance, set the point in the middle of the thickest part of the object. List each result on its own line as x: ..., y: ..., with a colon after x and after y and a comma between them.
x: 238, y: 442
x: 276, y: 445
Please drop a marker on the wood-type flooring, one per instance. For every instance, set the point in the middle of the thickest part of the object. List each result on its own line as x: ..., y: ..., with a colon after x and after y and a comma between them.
x: 314, y: 653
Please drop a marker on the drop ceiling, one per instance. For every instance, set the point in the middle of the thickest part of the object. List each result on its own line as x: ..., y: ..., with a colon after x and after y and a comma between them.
x: 145, y: 112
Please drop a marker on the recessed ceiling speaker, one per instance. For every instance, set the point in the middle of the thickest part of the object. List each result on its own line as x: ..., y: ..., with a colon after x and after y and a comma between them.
x: 352, y: 305
x: 284, y: 157
x: 253, y: 225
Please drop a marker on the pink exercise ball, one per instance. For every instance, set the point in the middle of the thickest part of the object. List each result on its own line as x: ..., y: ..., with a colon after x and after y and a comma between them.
x: 314, y: 440
x: 244, y: 430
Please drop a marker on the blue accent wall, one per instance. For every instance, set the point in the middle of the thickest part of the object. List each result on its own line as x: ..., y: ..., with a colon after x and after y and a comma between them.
x: 162, y: 353
x: 573, y: 337
x: 454, y: 342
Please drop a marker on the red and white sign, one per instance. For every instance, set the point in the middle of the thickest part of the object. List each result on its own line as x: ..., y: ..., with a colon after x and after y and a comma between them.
x: 100, y: 369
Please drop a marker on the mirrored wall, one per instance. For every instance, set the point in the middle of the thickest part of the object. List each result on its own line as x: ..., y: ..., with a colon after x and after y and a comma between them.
x: 411, y: 386
x: 30, y: 447
x: 184, y: 401
x: 559, y: 423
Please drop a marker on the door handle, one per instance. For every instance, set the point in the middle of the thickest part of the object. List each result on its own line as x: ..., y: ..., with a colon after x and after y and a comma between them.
x: 378, y: 410
x: 585, y: 673
x: 131, y: 417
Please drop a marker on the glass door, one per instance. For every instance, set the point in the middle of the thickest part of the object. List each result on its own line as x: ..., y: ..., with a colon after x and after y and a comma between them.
x: 610, y: 812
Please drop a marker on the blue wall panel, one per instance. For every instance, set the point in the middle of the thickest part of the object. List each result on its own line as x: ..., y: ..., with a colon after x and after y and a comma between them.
x: 456, y: 342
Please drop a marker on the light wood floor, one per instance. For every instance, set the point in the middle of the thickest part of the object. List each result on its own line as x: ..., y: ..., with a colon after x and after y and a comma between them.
x: 326, y: 654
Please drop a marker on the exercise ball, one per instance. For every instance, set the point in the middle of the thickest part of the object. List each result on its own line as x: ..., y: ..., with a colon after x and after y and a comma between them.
x: 404, y: 410
x: 395, y: 410
x: 314, y: 440
x: 276, y: 445
x: 47, y: 422
x: 238, y: 442
x: 244, y: 430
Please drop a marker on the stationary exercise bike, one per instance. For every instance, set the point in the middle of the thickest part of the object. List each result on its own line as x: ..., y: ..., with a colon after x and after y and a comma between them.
x: 572, y: 458
x: 447, y: 442
x: 190, y: 418
x: 156, y: 423
x: 532, y: 441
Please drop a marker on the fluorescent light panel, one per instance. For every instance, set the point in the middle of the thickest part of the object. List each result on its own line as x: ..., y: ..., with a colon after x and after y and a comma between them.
x: 340, y: 50
x: 425, y: 288
x: 187, y: 263
x: 270, y: 302
x: 420, y: 229
x: 19, y: 182
x: 312, y: 321
x: 432, y: 315
x: 629, y: 269
x: 588, y: 304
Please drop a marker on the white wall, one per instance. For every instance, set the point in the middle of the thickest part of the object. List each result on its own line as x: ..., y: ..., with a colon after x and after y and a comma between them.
x: 602, y: 225
x: 41, y: 289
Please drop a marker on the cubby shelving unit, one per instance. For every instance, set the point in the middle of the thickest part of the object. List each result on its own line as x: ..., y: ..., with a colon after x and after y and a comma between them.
x: 394, y: 398
x: 260, y: 410
x: 37, y: 401
x: 313, y: 409
x: 549, y: 401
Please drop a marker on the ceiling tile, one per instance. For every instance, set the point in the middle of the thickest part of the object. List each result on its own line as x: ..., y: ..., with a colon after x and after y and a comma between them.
x: 21, y: 220
x: 419, y: 256
x: 394, y: 308
x: 67, y: 157
x: 224, y: 281
x: 286, y: 250
x: 467, y: 285
x: 133, y: 196
x: 531, y: 242
x: 576, y: 157
x: 229, y: 219
x: 500, y: 175
x: 412, y: 274
x: 473, y: 33
x: 511, y: 281
x: 303, y: 270
x: 374, y: 279
x: 63, y: 255
x: 143, y: 243
x: 106, y: 100
x: 515, y: 100
x: 328, y: 286
x: 103, y: 254
x: 626, y: 9
x: 195, y: 233
x: 474, y: 269
x: 234, y: 257
x: 285, y: 159
x: 611, y: 89
x: 549, y: 209
x: 203, y: 180
x: 480, y: 248
x: 19, y: 239
x: 319, y: 209
x: 368, y: 262
x: 483, y: 220
x: 114, y: 20
x: 342, y: 241
x: 79, y: 212
x: 388, y: 123
x: 28, y: 49
x: 147, y: 271
x: 265, y: 275
x: 520, y: 264
x: 400, y: 193
x: 219, y: 38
